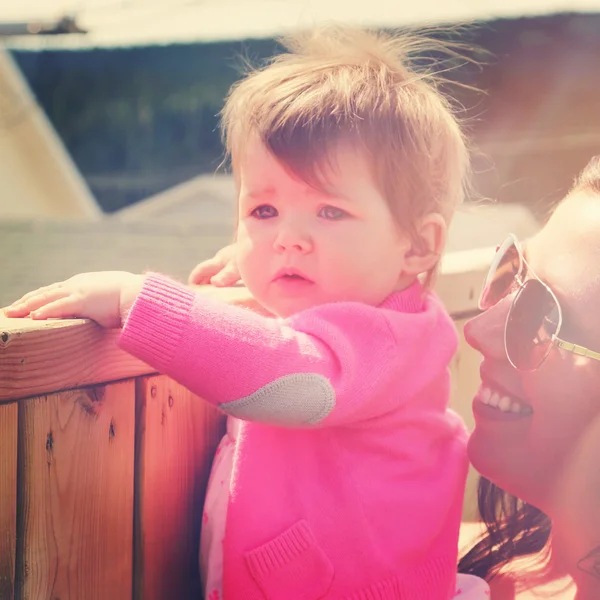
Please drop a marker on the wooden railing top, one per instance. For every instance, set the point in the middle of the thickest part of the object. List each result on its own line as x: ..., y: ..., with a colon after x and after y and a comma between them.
x: 38, y: 357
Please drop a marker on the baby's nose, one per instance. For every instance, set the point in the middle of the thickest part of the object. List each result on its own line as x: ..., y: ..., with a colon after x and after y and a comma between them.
x: 295, y: 237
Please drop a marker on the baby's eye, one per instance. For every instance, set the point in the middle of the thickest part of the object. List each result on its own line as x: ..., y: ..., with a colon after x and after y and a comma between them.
x: 332, y: 213
x: 264, y: 211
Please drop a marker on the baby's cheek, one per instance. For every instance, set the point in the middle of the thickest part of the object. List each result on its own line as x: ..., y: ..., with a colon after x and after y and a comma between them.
x: 244, y: 253
x: 248, y: 263
x: 254, y: 272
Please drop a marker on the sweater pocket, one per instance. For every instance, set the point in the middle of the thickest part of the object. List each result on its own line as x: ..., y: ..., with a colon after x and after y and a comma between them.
x: 291, y: 566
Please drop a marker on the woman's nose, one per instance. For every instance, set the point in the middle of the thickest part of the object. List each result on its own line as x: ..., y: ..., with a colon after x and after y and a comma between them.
x: 485, y: 332
x: 293, y: 237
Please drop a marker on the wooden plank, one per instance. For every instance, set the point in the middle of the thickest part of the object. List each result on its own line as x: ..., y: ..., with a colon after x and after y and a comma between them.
x: 177, y: 435
x: 76, y: 470
x: 38, y: 357
x: 8, y: 499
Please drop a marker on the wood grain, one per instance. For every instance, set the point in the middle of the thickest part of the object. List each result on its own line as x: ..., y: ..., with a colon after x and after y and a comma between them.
x: 8, y: 498
x: 177, y: 435
x: 48, y: 356
x: 38, y: 357
x: 76, y: 471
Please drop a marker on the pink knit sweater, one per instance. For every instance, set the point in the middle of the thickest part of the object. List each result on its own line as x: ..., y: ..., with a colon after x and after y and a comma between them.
x: 349, y: 469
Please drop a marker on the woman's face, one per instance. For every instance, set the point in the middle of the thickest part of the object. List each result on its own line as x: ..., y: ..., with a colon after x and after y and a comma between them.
x: 526, y: 454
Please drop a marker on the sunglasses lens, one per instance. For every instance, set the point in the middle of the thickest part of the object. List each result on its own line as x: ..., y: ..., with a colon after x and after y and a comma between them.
x: 532, y: 321
x: 501, y: 277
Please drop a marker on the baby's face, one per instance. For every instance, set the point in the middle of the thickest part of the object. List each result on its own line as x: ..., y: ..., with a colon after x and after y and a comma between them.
x: 299, y: 247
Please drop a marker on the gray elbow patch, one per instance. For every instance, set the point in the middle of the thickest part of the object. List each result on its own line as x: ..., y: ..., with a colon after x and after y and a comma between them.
x: 291, y: 401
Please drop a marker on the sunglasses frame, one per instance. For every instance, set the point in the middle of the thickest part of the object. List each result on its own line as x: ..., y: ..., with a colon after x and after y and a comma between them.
x: 555, y: 341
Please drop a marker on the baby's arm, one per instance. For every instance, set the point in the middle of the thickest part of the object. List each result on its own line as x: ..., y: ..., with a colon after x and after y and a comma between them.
x: 332, y: 364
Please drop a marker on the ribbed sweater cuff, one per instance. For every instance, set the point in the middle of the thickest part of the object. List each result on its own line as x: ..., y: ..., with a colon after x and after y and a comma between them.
x: 155, y: 322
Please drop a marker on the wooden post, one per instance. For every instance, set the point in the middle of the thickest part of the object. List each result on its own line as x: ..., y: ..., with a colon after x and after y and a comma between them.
x: 177, y: 435
x: 8, y: 498
x: 76, y: 494
x: 69, y: 461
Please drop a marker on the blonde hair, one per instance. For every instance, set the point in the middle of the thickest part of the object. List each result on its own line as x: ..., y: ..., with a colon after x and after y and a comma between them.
x: 337, y: 83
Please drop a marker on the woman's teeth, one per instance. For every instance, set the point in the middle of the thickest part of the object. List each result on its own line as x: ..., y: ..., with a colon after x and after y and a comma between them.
x: 503, y: 403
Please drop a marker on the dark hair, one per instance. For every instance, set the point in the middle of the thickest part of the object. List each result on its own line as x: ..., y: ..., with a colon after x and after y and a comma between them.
x: 514, y: 528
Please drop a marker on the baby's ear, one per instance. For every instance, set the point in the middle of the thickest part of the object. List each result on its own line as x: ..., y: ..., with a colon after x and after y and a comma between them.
x: 427, y: 247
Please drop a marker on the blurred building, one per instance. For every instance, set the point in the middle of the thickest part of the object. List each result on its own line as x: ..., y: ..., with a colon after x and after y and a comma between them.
x: 38, y: 175
x: 135, y: 100
x: 140, y: 119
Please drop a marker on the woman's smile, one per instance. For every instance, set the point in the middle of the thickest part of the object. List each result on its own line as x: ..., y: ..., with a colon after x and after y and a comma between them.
x: 490, y: 403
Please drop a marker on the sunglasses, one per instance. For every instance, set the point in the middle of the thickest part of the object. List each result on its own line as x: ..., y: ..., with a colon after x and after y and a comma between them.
x: 535, y: 316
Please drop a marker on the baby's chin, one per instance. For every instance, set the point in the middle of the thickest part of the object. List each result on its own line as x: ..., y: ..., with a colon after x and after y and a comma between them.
x: 283, y: 310
x: 285, y: 307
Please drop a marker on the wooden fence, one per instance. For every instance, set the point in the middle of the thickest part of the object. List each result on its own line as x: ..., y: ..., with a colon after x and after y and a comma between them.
x: 104, y: 464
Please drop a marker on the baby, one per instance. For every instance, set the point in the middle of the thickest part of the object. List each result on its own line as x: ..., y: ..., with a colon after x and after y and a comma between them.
x: 342, y: 471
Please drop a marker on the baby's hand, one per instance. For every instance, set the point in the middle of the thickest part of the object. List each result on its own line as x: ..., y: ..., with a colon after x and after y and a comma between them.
x: 220, y: 271
x: 104, y: 297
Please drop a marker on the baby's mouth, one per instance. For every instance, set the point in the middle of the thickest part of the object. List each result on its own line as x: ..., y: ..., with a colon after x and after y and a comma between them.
x: 291, y: 275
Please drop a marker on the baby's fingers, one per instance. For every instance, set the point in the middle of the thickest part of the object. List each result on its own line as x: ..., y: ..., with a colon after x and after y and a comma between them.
x: 203, y: 272
x: 35, y: 300
x: 227, y: 277
x: 59, y: 309
x: 35, y: 293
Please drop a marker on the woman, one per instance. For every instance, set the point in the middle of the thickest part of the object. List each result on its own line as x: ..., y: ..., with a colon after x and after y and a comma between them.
x: 546, y: 453
x: 537, y: 413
